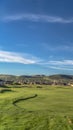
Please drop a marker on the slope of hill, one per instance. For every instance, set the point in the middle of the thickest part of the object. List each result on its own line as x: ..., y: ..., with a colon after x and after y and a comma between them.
x: 39, y: 79
x: 61, y: 76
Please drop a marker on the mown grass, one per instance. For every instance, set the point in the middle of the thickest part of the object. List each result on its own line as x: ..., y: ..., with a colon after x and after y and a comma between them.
x: 51, y: 109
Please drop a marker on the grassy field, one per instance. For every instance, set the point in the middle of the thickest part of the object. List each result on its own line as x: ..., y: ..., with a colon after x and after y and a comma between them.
x: 50, y: 109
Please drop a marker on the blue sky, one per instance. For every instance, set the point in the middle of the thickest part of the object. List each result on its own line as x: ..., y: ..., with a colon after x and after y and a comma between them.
x: 36, y: 37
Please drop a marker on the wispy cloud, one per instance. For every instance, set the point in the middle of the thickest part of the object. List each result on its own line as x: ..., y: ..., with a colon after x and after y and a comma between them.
x: 61, y: 68
x: 6, y: 56
x: 58, y: 65
x: 12, y: 57
x: 38, y: 18
x: 63, y: 62
x: 49, y: 47
x: 21, y: 45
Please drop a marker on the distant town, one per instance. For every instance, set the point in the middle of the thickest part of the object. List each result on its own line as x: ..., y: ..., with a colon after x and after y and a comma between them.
x: 66, y: 80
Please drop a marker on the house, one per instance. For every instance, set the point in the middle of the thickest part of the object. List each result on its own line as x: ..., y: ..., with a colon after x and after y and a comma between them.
x: 2, y: 82
x: 70, y: 84
x: 9, y: 82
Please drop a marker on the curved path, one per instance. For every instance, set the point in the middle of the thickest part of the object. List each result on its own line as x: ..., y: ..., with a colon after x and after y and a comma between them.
x: 18, y: 100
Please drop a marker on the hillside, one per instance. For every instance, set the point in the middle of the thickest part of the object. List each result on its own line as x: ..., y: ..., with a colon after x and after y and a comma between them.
x: 61, y: 77
x: 39, y: 79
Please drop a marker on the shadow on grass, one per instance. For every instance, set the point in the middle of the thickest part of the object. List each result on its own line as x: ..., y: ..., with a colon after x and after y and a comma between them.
x: 5, y: 90
x: 21, y: 99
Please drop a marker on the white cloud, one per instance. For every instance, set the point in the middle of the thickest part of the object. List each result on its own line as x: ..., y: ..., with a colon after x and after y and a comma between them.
x: 61, y: 68
x: 37, y: 18
x: 63, y: 62
x: 57, y: 62
x: 6, y: 56
x: 66, y: 65
x: 12, y: 57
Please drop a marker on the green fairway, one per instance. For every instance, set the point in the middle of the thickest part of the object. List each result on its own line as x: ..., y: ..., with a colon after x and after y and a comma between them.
x: 46, y: 108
